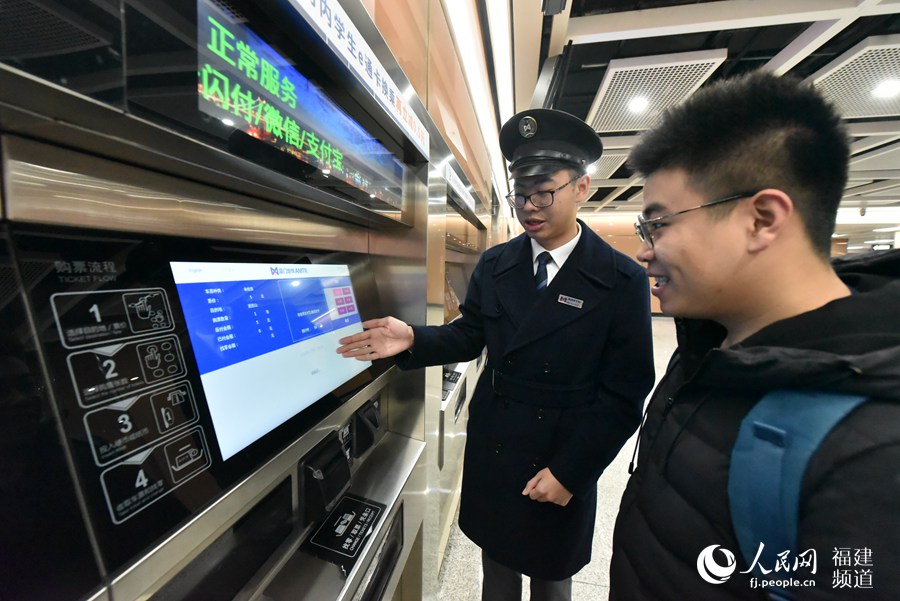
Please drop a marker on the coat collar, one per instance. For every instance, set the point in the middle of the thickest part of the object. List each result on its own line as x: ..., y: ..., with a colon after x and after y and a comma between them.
x: 589, y: 270
x: 601, y: 270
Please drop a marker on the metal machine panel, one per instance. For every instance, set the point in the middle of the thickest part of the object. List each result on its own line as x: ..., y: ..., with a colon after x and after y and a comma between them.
x: 123, y: 364
x: 47, y: 551
x: 49, y: 185
x: 107, y: 180
x: 105, y: 320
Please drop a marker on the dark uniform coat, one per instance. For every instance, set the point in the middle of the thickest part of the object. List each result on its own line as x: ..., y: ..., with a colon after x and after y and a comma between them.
x: 568, y: 370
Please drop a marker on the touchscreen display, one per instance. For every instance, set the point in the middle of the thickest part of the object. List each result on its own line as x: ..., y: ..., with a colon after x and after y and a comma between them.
x: 264, y: 337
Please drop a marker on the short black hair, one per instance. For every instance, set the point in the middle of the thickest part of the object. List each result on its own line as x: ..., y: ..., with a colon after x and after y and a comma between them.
x: 755, y: 131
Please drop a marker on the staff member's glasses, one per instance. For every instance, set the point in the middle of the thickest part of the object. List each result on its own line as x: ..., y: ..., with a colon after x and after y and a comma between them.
x: 644, y: 228
x: 541, y: 199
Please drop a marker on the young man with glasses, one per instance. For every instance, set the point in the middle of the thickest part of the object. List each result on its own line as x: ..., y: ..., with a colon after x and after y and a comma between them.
x: 742, y: 187
x: 566, y: 322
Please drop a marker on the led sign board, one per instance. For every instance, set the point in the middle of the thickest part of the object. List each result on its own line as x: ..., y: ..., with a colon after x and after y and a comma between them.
x: 247, y: 84
x: 335, y: 27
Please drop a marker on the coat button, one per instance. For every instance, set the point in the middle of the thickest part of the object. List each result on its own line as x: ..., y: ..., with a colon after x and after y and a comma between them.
x: 498, y: 448
x: 540, y: 414
x: 547, y: 369
x: 509, y: 362
x: 499, y: 308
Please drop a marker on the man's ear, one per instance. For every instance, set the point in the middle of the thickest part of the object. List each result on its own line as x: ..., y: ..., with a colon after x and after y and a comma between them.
x: 583, y: 188
x: 771, y: 211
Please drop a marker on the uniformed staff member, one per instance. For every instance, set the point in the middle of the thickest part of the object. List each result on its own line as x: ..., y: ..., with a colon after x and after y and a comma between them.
x: 566, y: 322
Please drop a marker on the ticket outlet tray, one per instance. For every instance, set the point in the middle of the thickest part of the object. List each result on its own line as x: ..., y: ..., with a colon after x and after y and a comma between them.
x: 387, y: 480
x: 325, y: 474
x: 342, y: 535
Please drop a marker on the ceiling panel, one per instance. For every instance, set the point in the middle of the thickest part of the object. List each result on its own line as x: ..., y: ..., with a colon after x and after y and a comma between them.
x: 657, y: 81
x: 617, y: 50
x: 851, y: 80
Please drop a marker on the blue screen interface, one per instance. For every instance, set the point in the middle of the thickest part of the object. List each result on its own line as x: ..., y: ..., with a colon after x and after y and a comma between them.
x: 264, y: 337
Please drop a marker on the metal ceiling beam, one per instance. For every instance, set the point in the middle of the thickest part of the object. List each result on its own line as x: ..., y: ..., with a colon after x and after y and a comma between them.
x: 559, y: 31
x: 806, y: 43
x: 527, y: 21
x: 609, y: 183
x: 873, y: 187
x: 614, y: 142
x: 717, y: 16
x: 874, y: 174
x: 870, y: 143
x: 817, y: 35
x: 878, y: 152
x: 617, y: 192
x: 874, y: 128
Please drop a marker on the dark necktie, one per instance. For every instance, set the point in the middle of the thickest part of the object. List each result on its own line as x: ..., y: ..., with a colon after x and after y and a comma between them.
x: 540, y: 276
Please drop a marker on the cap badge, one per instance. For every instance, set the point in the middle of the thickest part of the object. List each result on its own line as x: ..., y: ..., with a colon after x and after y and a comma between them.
x: 527, y: 127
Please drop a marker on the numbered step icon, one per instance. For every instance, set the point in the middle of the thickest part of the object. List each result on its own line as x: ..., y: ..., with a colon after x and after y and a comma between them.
x: 114, y: 372
x: 91, y: 318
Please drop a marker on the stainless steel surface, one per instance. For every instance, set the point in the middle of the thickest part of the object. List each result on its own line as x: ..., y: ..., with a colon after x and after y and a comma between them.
x: 36, y: 109
x: 149, y: 573
x: 101, y: 595
x: 47, y: 185
x: 70, y: 161
x: 396, y: 257
x: 435, y: 258
x: 305, y: 577
x: 52, y: 186
x: 454, y: 418
x: 445, y: 445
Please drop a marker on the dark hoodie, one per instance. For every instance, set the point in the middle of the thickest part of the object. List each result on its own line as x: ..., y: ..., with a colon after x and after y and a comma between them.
x: 676, y: 502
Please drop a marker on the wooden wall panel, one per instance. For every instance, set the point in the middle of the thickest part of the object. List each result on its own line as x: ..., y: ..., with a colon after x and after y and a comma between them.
x: 404, y: 26
x: 450, y: 106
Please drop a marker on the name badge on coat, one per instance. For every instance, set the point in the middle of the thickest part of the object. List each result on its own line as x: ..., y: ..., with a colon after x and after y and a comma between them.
x: 571, y: 301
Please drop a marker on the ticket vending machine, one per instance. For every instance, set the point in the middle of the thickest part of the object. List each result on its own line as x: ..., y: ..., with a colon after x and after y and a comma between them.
x: 198, y: 200
x: 176, y: 421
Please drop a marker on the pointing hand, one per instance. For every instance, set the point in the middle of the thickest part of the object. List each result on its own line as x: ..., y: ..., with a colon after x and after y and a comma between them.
x: 383, y: 337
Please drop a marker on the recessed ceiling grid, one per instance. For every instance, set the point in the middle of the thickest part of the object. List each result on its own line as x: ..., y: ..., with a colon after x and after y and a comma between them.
x: 27, y: 30
x: 663, y: 81
x: 849, y: 81
x: 608, y: 164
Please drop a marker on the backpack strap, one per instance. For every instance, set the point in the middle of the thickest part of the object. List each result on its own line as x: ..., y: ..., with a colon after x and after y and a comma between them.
x: 775, y: 442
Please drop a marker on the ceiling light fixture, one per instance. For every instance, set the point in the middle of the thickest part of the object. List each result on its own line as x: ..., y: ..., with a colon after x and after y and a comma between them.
x: 887, y: 89
x: 638, y: 104
x: 887, y: 229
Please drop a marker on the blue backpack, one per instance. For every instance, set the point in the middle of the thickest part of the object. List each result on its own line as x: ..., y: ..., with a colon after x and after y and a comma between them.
x: 775, y: 442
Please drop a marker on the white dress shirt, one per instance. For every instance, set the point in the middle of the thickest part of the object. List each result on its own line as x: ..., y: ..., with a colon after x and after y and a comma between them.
x: 558, y: 255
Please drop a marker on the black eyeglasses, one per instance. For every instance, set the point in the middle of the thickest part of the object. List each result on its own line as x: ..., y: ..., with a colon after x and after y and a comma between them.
x: 644, y: 228
x: 541, y: 199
